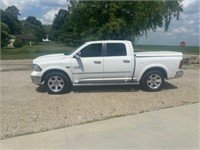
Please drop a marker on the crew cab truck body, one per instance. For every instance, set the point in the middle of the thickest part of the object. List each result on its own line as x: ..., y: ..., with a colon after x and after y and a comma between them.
x: 106, y: 63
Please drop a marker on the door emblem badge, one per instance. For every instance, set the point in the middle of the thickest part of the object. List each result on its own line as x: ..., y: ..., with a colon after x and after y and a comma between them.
x: 76, y: 67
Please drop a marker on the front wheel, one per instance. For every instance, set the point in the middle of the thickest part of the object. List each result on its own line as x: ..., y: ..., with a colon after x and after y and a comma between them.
x: 153, y: 81
x: 57, y: 83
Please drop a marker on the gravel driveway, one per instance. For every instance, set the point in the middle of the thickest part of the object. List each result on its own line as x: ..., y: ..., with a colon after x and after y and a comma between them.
x: 27, y: 108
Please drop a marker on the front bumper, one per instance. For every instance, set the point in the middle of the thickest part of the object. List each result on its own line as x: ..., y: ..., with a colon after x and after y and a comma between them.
x: 179, y: 74
x: 36, y: 78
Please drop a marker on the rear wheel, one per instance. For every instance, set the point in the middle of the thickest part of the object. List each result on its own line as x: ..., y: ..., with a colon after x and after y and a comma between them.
x: 57, y: 83
x: 153, y: 81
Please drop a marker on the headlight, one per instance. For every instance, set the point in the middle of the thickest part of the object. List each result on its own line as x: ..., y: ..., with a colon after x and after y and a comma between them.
x: 36, y: 68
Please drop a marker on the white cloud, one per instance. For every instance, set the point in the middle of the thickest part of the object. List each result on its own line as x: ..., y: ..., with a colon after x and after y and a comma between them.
x: 190, y: 6
x: 159, y: 29
x: 187, y: 3
x: 191, y: 22
x: 55, y: 3
x: 20, y: 4
x: 185, y: 29
x: 26, y: 4
x: 4, y: 4
x: 195, y: 34
x: 180, y: 30
x: 49, y: 7
x: 49, y: 16
x: 168, y: 34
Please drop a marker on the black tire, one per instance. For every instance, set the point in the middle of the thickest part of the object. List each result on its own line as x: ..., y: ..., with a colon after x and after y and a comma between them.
x: 57, y: 83
x: 152, y: 81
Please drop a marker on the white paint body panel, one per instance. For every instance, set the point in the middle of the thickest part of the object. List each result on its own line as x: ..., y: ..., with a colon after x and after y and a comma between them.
x: 85, y: 68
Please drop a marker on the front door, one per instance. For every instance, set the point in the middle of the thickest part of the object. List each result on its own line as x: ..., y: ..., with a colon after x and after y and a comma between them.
x: 88, y: 67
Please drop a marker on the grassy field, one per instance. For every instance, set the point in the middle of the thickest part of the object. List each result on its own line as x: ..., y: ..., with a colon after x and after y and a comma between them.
x: 30, y: 52
x: 187, y: 49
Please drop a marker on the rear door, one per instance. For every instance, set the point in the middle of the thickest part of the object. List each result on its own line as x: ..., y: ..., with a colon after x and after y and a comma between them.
x: 118, y: 64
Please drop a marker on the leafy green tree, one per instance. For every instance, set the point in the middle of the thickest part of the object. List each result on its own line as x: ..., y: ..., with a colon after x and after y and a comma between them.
x: 33, y: 27
x: 13, y: 23
x: 58, y: 24
x: 32, y: 20
x: 59, y: 19
x: 12, y: 11
x: 5, y: 34
x: 92, y: 20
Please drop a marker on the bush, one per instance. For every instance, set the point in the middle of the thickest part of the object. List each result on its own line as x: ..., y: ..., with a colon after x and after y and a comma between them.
x: 17, y: 43
x: 5, y: 34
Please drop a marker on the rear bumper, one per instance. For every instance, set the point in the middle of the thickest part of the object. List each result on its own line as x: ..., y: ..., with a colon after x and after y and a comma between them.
x: 179, y: 74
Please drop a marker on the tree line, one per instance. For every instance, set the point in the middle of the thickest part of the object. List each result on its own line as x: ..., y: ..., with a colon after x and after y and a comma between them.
x: 94, y: 20
x: 11, y: 25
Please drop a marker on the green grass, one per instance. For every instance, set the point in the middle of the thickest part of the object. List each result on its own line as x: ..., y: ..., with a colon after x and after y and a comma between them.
x: 186, y: 50
x: 31, y: 52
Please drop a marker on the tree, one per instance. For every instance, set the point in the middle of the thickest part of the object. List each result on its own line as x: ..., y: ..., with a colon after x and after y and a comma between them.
x: 13, y: 23
x: 32, y: 20
x: 12, y: 11
x: 33, y: 27
x: 5, y: 34
x: 58, y: 24
x: 59, y: 19
x: 88, y: 20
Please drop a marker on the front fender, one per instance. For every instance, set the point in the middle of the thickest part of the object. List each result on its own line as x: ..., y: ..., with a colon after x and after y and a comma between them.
x: 67, y: 71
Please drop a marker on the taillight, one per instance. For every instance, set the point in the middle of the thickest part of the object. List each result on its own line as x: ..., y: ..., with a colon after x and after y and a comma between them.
x: 181, y: 64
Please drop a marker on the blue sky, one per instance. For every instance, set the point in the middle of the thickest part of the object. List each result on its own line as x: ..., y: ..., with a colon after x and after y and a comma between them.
x: 185, y: 29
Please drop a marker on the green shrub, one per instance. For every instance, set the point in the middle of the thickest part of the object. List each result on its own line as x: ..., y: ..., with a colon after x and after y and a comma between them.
x: 17, y: 43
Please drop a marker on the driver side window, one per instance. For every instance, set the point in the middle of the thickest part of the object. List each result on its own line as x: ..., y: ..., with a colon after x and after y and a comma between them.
x: 93, y: 50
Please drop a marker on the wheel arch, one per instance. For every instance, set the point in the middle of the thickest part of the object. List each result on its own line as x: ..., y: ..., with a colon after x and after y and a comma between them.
x: 162, y: 70
x: 54, y: 70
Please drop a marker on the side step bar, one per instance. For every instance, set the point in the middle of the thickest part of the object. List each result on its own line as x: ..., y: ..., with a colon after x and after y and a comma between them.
x: 102, y: 84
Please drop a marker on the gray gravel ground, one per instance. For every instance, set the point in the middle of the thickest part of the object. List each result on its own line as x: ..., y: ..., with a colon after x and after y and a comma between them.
x: 27, y: 108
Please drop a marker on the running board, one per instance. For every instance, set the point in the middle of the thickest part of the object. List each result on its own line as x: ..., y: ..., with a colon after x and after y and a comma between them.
x: 102, y: 84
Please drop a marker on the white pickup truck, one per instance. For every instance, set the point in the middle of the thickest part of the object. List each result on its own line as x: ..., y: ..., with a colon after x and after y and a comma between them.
x: 106, y: 63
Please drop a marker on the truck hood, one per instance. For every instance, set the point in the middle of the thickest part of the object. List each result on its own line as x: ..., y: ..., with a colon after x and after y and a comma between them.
x: 158, y: 54
x: 45, y: 58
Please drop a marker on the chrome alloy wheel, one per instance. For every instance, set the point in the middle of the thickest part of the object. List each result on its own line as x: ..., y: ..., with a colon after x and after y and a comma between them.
x: 154, y: 81
x: 56, y: 83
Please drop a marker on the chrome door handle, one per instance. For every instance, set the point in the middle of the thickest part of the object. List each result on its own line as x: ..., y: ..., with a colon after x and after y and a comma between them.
x: 97, y: 62
x: 126, y: 61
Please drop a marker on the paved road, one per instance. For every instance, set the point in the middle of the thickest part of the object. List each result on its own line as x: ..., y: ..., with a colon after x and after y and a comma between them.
x: 173, y: 128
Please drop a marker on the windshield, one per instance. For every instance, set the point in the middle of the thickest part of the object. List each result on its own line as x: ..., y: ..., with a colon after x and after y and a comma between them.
x: 71, y: 51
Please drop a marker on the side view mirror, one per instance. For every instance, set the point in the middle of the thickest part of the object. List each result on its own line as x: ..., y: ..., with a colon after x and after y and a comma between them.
x: 78, y: 55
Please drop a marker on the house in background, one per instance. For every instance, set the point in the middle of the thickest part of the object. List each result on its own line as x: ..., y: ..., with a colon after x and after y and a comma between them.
x: 11, y: 42
x: 47, y: 39
x: 24, y: 38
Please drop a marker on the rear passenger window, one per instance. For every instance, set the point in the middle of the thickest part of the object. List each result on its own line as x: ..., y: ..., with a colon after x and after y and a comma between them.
x: 116, y: 49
